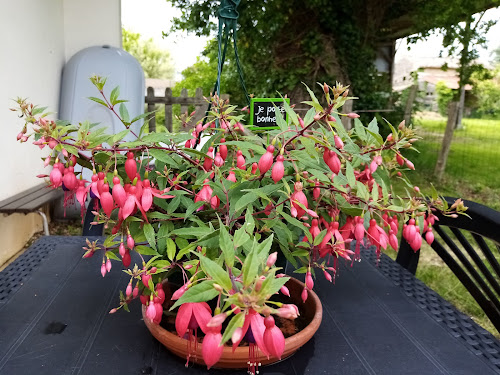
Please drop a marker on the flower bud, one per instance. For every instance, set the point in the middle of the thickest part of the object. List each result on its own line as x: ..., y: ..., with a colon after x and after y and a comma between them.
x: 217, y: 320
x: 271, y: 259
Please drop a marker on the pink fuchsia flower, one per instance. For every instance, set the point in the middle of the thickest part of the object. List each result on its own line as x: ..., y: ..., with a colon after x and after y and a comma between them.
x: 266, y: 160
x: 298, y: 197
x: 240, y: 160
x: 211, y: 349
x: 192, y: 315
x: 278, y: 170
x: 273, y: 338
x: 253, y: 328
x: 288, y: 311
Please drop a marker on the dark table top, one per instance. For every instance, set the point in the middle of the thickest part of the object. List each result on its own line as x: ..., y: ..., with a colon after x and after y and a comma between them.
x: 378, y: 319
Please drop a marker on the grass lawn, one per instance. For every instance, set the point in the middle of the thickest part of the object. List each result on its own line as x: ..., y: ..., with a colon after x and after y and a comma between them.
x: 471, y: 173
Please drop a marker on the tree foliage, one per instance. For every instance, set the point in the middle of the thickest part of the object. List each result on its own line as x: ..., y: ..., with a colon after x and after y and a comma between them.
x: 285, y: 42
x: 487, y: 92
x: 155, y: 61
x: 444, y: 97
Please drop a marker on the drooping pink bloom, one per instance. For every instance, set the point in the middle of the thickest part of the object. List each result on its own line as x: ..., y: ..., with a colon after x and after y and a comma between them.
x: 240, y: 160
x: 147, y: 195
x: 278, y: 169
x: 273, y: 338
x: 106, y: 200
x: 309, y: 281
x: 218, y: 161
x: 56, y: 176
x: 255, y: 166
x: 285, y: 291
x: 118, y: 192
x: 299, y: 197
x: 211, y: 349
x: 314, y: 230
x: 190, y: 316
x: 393, y: 240
x: 130, y: 166
x: 223, y: 149
x: 271, y: 259
x: 231, y: 176
x: 338, y: 142
x: 253, y: 330
x: 429, y: 236
x: 207, y: 163
x: 266, y: 160
x: 288, y: 311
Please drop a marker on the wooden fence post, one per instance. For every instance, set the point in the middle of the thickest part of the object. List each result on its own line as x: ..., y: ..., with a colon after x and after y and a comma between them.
x: 168, y: 109
x: 184, y: 107
x: 409, y: 103
x: 151, y: 107
x: 447, y: 138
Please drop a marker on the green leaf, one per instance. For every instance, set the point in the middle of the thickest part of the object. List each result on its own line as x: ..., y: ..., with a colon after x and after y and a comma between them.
x: 309, y: 117
x: 171, y: 248
x: 100, y: 101
x: 311, y: 94
x: 264, y: 247
x: 145, y: 250
x: 71, y: 149
x: 349, y: 173
x: 360, y: 129
x: 112, y: 255
x: 240, y: 237
x: 250, y: 267
x: 244, y: 201
x: 218, y: 274
x: 300, y: 253
x: 298, y: 224
x: 226, y: 245
x: 114, y: 95
x: 192, y: 208
x: 164, y: 157
x: 118, y: 137
x: 195, y: 232
x: 141, y: 116
x: 201, y: 292
x: 124, y: 113
x: 249, y: 220
x: 280, y: 121
x: 149, y: 232
x: 236, y: 322
x: 274, y: 285
x: 319, y: 237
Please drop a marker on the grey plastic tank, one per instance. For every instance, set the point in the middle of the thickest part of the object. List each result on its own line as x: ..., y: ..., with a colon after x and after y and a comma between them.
x: 120, y: 68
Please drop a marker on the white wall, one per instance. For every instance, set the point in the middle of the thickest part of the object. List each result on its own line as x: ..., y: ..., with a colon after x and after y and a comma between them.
x: 31, y: 59
x: 38, y: 37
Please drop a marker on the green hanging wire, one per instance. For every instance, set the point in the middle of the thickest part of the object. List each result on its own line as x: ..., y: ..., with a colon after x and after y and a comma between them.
x: 228, y: 16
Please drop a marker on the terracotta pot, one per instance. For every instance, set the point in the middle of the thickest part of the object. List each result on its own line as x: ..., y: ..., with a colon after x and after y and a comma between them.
x: 311, y: 310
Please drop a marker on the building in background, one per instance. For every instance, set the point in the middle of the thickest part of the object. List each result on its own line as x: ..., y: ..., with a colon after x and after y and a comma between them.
x: 429, y: 72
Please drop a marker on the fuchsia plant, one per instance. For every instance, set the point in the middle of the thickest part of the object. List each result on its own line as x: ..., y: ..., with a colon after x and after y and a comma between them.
x: 219, y: 214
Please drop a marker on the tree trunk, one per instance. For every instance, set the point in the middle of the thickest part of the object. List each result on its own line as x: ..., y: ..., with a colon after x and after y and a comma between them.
x: 464, y: 70
x: 461, y: 107
x: 447, y: 138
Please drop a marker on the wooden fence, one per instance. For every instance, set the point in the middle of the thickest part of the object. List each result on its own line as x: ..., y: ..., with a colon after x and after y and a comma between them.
x: 168, y: 100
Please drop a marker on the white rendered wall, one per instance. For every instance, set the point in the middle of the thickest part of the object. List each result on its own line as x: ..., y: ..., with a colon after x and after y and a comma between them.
x: 37, y: 38
x: 31, y: 60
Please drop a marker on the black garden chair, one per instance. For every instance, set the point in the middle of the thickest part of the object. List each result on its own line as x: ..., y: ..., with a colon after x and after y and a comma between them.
x: 475, y: 263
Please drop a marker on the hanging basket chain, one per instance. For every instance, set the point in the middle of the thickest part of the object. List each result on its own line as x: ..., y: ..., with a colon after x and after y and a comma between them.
x: 228, y: 16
